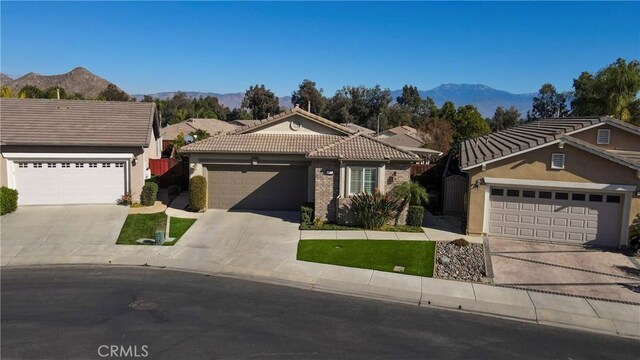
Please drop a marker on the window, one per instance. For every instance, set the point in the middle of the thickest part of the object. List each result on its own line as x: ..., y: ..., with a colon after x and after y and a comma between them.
x: 557, y: 161
x: 106, y: 165
x: 92, y: 165
x: 613, y: 199
x: 79, y: 165
x: 23, y: 165
x: 528, y: 194
x: 562, y: 196
x: 362, y: 180
x: 544, y: 194
x: 119, y: 165
x: 604, y: 136
x: 513, y: 193
x: 66, y: 165
x: 578, y: 197
x: 37, y: 165
x: 595, y: 198
x: 497, y: 192
x: 51, y: 165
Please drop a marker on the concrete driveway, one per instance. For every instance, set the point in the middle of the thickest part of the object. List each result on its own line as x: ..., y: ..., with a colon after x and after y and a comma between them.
x: 565, y: 269
x: 269, y: 234
x: 62, y: 225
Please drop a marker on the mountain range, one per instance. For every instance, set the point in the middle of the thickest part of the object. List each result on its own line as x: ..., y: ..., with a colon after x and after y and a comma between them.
x: 81, y: 80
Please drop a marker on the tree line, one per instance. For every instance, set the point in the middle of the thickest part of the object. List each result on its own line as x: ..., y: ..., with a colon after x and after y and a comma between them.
x: 612, y: 90
x: 110, y: 93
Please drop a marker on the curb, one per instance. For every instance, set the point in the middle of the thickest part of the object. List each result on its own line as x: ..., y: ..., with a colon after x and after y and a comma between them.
x: 471, y: 298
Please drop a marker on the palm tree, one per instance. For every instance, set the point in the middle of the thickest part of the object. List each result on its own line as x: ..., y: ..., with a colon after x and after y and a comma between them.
x: 411, y: 193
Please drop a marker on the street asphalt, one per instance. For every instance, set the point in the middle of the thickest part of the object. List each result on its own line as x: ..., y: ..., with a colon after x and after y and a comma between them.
x: 88, y: 312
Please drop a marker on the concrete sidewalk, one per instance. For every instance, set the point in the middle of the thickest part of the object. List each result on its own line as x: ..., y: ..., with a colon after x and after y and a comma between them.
x: 584, y: 314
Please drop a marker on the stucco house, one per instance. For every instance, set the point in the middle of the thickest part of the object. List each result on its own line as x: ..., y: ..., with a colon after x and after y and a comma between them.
x: 295, y: 157
x: 572, y: 180
x: 408, y: 138
x: 76, y: 151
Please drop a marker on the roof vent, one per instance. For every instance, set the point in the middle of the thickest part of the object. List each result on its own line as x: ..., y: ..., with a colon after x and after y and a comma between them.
x: 63, y: 107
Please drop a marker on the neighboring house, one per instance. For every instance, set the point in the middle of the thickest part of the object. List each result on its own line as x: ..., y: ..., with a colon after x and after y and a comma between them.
x: 295, y: 157
x: 244, y: 122
x: 212, y: 126
x: 408, y: 138
x: 356, y: 128
x: 76, y: 151
x: 571, y: 180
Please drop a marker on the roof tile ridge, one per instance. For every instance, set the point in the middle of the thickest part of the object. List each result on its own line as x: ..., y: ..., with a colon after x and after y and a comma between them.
x: 339, y: 141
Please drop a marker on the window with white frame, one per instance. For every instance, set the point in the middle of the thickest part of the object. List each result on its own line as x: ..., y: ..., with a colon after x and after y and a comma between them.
x: 51, y: 165
x: 106, y: 165
x: 119, y: 165
x: 557, y: 161
x: 93, y: 165
x: 23, y: 165
x: 37, y: 165
x: 66, y: 165
x: 604, y: 136
x: 362, y: 179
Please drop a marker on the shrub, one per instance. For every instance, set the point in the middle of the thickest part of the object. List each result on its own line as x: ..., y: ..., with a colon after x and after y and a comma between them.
x: 460, y: 242
x: 374, y: 210
x: 415, y: 215
x: 197, y: 193
x: 8, y: 200
x: 634, y: 233
x: 125, y: 199
x: 149, y: 194
x: 306, y: 212
x: 318, y: 221
x: 174, y: 190
x: 412, y: 193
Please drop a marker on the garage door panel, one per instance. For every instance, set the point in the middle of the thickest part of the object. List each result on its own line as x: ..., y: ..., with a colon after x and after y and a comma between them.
x: 257, y: 187
x: 60, y: 184
x: 583, y: 218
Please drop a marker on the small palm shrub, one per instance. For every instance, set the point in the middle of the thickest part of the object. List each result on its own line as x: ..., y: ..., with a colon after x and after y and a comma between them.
x: 197, y: 193
x: 373, y: 210
x: 8, y: 200
x: 149, y: 193
x: 411, y: 193
x: 415, y: 215
x: 306, y: 212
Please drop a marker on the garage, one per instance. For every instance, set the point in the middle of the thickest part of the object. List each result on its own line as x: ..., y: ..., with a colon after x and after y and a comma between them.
x: 556, y: 215
x: 56, y: 182
x: 256, y: 187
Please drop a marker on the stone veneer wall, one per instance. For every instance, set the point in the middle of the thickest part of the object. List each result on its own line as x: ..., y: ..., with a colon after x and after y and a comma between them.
x: 327, y: 189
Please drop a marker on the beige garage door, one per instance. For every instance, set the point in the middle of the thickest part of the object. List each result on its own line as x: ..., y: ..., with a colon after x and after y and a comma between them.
x: 554, y: 215
x: 257, y: 187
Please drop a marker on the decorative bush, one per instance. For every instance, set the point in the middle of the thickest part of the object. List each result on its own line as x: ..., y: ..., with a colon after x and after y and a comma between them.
x: 125, y: 199
x: 8, y: 200
x: 318, y: 221
x: 415, y: 215
x: 460, y: 242
x: 149, y: 193
x: 634, y: 233
x: 411, y: 193
x: 373, y: 210
x: 306, y: 212
x: 197, y: 193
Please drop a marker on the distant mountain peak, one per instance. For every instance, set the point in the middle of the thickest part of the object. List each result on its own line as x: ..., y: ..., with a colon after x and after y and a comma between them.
x: 79, y: 80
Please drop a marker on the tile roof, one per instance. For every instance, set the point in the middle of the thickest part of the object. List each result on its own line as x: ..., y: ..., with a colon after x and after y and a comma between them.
x: 402, y: 129
x: 212, y: 126
x: 361, y: 147
x: 290, y: 112
x: 76, y: 122
x: 356, y: 127
x: 404, y: 140
x: 245, y: 122
x: 260, y: 143
x: 520, y: 138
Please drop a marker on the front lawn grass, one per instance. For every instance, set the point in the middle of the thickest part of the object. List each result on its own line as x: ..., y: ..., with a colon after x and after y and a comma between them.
x: 139, y: 226
x: 416, y: 256
x: 330, y: 226
x: 177, y: 228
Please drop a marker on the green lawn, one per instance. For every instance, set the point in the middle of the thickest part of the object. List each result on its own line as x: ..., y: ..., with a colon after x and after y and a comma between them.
x: 178, y: 227
x: 416, y: 256
x: 330, y: 226
x: 141, y: 226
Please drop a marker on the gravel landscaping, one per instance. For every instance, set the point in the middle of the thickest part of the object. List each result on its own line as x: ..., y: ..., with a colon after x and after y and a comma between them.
x: 460, y: 262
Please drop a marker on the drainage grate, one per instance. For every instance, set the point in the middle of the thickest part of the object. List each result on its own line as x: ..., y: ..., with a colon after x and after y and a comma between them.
x: 143, y: 305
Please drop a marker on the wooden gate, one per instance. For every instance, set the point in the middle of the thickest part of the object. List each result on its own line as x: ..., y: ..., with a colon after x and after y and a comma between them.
x: 455, y: 187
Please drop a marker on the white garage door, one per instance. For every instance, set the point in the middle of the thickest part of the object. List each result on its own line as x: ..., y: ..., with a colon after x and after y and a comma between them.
x: 555, y: 215
x: 82, y: 182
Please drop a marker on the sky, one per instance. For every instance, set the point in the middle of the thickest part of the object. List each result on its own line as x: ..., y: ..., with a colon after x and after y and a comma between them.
x: 147, y: 47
